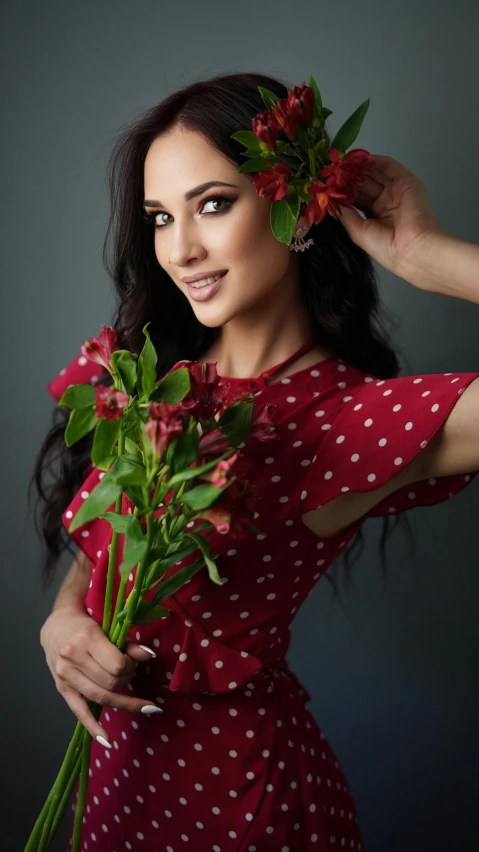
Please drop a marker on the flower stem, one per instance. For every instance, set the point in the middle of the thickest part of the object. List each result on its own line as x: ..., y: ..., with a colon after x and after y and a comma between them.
x: 41, y: 830
x: 80, y: 803
x: 112, y: 557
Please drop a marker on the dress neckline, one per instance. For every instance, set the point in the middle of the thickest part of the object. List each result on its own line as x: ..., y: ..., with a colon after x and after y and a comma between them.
x: 263, y: 377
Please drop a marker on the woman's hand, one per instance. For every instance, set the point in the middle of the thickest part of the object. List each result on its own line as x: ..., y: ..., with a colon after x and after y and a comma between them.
x: 84, y: 662
x: 400, y: 219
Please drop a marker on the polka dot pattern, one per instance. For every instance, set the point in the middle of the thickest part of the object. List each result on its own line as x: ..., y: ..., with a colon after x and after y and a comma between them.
x: 237, y: 761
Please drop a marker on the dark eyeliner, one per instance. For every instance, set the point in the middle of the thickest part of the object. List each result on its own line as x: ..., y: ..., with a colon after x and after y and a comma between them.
x: 149, y: 218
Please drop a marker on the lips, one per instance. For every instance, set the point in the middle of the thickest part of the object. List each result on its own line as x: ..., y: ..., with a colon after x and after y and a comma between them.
x: 191, y: 279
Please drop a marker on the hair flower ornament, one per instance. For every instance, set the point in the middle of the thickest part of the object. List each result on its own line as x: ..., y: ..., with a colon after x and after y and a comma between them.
x: 294, y: 164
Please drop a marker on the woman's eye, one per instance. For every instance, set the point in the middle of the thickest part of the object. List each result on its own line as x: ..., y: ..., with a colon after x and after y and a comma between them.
x: 153, y: 218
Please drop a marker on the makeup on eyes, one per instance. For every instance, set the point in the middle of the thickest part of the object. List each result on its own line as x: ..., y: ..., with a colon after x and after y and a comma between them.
x: 149, y: 218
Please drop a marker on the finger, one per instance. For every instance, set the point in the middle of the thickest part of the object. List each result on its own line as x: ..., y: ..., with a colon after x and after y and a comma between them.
x: 388, y: 168
x: 88, y: 666
x: 105, y: 697
x: 81, y: 710
x: 139, y: 653
x: 109, y: 657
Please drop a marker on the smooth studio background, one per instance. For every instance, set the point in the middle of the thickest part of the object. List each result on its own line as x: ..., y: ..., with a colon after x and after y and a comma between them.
x: 393, y: 673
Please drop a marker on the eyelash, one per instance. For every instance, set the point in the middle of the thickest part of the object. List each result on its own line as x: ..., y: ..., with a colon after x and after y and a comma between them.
x: 149, y: 218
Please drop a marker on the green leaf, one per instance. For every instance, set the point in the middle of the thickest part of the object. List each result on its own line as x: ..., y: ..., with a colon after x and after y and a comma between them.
x: 103, y: 495
x: 210, y: 564
x: 303, y: 143
x: 185, y: 475
x: 148, y: 612
x: 129, y: 470
x: 247, y: 138
x: 78, y: 396
x: 132, y: 448
x: 202, y: 496
x: 106, y: 436
x: 135, y: 545
x: 177, y: 580
x: 181, y: 552
x: 282, y: 221
x: 348, y: 132
x: 135, y: 494
x: 186, y: 449
x: 125, y: 364
x: 119, y: 523
x: 81, y: 421
x: 235, y: 422
x: 173, y: 388
x: 318, y: 103
x: 269, y: 97
x: 147, y: 367
x: 255, y: 165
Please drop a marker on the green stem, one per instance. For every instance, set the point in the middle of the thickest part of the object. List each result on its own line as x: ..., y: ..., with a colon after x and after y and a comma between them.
x: 112, y: 557
x: 82, y: 790
x: 65, y: 798
x: 46, y: 818
x: 137, y: 588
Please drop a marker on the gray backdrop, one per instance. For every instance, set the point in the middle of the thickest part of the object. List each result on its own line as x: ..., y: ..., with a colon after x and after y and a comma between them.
x: 393, y: 673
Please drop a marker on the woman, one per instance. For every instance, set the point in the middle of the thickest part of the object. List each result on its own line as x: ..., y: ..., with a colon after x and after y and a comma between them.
x: 213, y: 744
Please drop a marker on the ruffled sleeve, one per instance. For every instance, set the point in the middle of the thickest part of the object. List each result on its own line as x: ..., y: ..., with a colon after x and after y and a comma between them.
x: 380, y: 427
x: 80, y: 370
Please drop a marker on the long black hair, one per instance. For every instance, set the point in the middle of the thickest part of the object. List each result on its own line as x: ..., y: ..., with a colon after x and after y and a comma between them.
x: 337, y: 282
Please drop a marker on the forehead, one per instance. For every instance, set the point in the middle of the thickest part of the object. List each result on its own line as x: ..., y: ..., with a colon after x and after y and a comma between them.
x: 180, y: 159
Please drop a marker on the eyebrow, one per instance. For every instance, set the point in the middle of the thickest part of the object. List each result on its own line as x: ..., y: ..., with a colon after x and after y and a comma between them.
x: 192, y: 193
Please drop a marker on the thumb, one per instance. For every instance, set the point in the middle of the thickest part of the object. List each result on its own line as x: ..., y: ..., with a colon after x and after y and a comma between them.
x: 139, y: 653
x: 351, y: 219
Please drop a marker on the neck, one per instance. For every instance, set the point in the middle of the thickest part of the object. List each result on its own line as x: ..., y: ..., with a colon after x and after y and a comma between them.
x: 255, y: 342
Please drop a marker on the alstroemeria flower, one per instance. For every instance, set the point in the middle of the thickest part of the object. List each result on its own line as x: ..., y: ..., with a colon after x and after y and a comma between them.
x: 166, y: 421
x: 212, y: 443
x: 109, y: 402
x: 300, y: 103
x: 273, y: 185
x: 348, y: 170
x: 218, y: 475
x: 99, y: 349
x: 263, y: 426
x: 326, y: 198
x: 206, y: 397
x: 266, y: 128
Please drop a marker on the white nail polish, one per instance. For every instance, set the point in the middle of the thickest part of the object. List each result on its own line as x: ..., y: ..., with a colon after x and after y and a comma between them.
x: 149, y: 650
x: 149, y: 710
x: 103, y: 741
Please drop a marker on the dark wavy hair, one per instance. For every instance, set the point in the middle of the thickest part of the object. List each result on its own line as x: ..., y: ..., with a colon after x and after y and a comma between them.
x: 337, y: 283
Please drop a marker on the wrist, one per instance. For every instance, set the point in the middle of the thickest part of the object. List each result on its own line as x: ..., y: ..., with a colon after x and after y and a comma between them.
x: 426, y: 265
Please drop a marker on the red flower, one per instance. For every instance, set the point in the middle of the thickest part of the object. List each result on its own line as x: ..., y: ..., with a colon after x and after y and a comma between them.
x: 109, y: 402
x: 212, y: 443
x: 326, y: 198
x: 295, y: 110
x: 262, y: 426
x: 99, y: 349
x: 300, y: 102
x: 219, y: 475
x: 272, y: 184
x: 165, y: 422
x: 266, y: 128
x: 348, y: 170
x: 206, y: 396
x: 219, y: 517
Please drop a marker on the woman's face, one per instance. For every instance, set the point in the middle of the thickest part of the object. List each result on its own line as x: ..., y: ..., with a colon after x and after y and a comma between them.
x: 200, y: 235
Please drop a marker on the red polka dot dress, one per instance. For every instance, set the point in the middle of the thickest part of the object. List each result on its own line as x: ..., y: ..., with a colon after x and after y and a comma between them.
x: 236, y: 762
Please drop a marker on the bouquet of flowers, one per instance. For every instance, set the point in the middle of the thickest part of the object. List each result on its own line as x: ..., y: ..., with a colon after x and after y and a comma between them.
x: 173, y: 446
x: 289, y: 169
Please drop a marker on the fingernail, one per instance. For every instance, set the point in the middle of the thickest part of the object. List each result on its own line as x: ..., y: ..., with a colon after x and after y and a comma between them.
x: 103, y: 741
x: 149, y: 650
x: 150, y: 710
